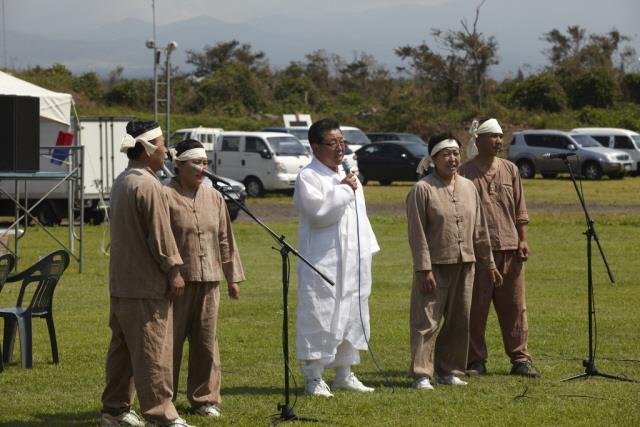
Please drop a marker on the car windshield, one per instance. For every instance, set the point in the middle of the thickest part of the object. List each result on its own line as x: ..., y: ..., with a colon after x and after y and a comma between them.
x: 418, y: 149
x: 411, y: 137
x: 585, y: 141
x: 287, y: 146
x: 302, y: 134
x: 355, y: 136
x: 636, y: 139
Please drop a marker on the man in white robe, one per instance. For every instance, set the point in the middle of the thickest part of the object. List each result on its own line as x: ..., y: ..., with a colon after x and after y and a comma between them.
x: 336, y: 237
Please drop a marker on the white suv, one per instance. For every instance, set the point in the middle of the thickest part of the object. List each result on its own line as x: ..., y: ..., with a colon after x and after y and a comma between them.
x: 619, y: 139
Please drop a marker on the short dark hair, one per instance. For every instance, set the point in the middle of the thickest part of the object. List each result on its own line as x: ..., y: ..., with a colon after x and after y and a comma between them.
x: 439, y: 138
x: 185, y: 145
x: 319, y: 128
x: 136, y: 128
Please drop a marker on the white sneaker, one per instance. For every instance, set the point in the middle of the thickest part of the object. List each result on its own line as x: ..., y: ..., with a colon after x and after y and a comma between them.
x: 351, y: 383
x: 178, y: 422
x: 317, y: 387
x: 209, y: 410
x: 129, y: 418
x: 449, y: 380
x: 422, y: 383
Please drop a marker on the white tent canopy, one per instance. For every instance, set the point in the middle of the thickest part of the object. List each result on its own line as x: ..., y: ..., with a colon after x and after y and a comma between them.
x: 54, y: 106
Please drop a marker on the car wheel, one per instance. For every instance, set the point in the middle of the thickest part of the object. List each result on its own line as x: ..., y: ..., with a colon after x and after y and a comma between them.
x: 47, y: 215
x: 384, y: 182
x: 592, y: 170
x: 526, y: 169
x: 549, y: 175
x: 363, y: 179
x: 254, y: 187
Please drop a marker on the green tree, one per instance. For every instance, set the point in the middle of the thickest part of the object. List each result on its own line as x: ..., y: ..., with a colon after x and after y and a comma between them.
x: 540, y: 92
x: 232, y: 87
x: 631, y: 87
x: 214, y: 57
x: 595, y: 88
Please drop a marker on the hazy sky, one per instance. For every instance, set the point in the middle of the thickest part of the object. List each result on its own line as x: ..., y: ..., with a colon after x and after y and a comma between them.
x: 68, y: 16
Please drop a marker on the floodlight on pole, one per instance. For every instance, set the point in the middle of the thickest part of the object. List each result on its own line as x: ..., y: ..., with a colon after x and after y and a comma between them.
x: 172, y: 46
x: 151, y: 44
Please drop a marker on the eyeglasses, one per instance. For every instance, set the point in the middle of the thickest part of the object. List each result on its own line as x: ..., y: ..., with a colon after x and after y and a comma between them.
x: 199, y: 162
x: 452, y: 153
x: 335, y: 143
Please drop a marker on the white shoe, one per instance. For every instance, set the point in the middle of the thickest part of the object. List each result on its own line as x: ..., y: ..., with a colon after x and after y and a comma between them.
x: 449, y: 380
x: 422, y: 383
x: 209, y: 410
x: 351, y: 383
x: 178, y: 422
x: 317, y: 387
x: 129, y: 418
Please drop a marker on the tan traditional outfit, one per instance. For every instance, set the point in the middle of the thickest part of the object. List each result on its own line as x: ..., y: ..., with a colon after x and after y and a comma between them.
x: 143, y: 251
x: 502, y: 197
x: 202, y: 229
x: 447, y: 234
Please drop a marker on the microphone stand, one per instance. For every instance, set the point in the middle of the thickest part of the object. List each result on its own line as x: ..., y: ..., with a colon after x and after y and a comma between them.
x: 285, y: 409
x: 590, y: 364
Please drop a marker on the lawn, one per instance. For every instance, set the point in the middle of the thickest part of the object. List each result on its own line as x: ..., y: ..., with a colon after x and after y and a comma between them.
x: 250, y: 338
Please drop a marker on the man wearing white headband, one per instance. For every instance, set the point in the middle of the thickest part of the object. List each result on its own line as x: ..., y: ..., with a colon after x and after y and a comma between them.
x: 448, y: 237
x: 500, y: 187
x: 144, y: 274
x: 202, y: 228
x: 488, y: 126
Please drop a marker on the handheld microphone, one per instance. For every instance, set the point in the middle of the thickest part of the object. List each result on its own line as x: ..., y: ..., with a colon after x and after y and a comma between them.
x: 346, y: 166
x: 212, y: 177
x: 562, y: 156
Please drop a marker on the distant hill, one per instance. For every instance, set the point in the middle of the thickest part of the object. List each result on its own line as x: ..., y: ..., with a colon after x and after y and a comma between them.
x: 285, y: 38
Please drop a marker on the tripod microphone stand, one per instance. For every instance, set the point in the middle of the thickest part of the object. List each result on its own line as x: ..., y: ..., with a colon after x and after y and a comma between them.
x: 590, y: 363
x: 285, y: 409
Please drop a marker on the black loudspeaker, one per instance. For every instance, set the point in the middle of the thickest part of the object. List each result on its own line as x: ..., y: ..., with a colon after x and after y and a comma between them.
x: 19, y: 133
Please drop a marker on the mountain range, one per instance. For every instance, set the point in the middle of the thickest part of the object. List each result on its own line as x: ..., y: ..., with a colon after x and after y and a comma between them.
x: 517, y: 26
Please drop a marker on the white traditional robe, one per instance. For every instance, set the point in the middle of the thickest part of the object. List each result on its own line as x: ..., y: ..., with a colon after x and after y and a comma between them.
x: 327, y: 315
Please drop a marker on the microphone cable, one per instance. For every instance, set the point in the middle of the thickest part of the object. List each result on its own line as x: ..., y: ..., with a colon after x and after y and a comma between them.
x: 364, y: 332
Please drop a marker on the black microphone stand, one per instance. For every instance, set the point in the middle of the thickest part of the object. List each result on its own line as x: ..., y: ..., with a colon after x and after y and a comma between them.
x: 590, y: 364
x: 286, y: 410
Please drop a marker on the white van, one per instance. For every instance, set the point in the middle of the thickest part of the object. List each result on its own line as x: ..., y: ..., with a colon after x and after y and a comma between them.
x: 355, y: 137
x: 207, y: 136
x: 620, y: 139
x: 263, y: 161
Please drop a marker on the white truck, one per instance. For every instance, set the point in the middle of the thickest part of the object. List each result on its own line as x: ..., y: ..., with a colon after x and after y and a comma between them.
x: 100, y: 137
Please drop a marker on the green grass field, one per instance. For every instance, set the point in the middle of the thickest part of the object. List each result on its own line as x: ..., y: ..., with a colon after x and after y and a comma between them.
x: 250, y: 338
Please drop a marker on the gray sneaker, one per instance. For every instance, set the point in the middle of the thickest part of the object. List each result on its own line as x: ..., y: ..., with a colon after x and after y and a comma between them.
x: 524, y: 369
x: 476, y: 368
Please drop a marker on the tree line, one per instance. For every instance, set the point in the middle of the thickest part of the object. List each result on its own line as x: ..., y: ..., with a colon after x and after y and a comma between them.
x: 588, y: 80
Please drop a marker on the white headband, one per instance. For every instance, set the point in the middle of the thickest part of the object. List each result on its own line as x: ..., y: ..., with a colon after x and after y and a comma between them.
x: 191, y: 154
x: 129, y: 141
x: 488, y: 126
x: 424, y: 163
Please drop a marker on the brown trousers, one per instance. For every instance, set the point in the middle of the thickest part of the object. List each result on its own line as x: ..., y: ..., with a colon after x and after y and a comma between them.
x: 139, y: 358
x: 195, y: 316
x: 451, y: 300
x: 509, y: 302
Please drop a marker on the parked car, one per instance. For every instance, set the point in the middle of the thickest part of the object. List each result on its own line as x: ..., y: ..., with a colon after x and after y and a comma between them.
x: 618, y: 139
x: 394, y: 136
x: 527, y: 149
x: 355, y: 137
x: 302, y: 133
x: 263, y: 161
x: 390, y: 161
x: 238, y: 191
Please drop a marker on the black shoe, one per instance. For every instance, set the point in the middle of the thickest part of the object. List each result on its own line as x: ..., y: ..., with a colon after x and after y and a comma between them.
x: 524, y: 369
x: 476, y: 368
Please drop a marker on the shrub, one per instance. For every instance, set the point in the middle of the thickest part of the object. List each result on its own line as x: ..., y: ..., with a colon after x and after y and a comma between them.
x: 540, y: 92
x: 631, y: 87
x: 595, y: 88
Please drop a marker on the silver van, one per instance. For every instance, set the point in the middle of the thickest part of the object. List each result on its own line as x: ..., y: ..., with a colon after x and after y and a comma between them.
x: 528, y: 148
x: 619, y: 139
